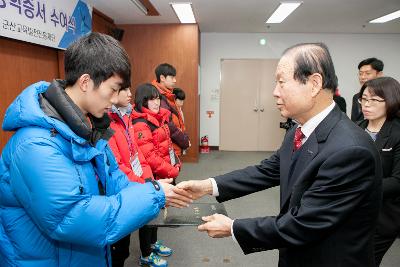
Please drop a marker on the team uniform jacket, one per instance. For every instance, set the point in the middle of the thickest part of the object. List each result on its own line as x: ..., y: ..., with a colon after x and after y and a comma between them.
x: 156, y: 143
x: 124, y: 147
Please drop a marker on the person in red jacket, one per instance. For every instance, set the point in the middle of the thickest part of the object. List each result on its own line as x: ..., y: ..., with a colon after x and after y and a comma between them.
x: 150, y: 123
x: 165, y: 82
x: 129, y: 157
x: 133, y: 163
x: 152, y: 132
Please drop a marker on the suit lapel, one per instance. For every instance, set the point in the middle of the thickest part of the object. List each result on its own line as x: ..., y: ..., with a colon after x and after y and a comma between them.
x: 383, y: 135
x: 307, y: 153
x: 286, y: 153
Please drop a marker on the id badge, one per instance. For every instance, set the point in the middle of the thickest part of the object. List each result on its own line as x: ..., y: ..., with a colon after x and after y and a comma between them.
x: 136, y: 166
x: 172, y: 156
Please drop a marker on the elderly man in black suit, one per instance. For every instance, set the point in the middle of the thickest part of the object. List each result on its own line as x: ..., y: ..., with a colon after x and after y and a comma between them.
x: 328, y: 169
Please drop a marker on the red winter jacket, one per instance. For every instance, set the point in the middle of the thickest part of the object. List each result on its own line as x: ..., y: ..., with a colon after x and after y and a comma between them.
x: 176, y: 125
x: 155, y: 143
x: 123, y: 149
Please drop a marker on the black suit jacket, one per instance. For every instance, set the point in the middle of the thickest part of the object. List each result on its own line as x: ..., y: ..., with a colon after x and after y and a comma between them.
x: 341, y: 102
x: 330, y: 198
x: 356, y: 112
x: 388, y: 145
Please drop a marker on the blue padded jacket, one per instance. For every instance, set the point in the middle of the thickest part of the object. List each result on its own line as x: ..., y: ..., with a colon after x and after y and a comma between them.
x: 51, y: 209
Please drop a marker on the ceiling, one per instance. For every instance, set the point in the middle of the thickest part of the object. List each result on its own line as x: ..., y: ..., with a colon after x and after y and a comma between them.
x: 313, y: 16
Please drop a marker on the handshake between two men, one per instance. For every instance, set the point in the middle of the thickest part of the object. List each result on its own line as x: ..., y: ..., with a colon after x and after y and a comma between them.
x: 181, y: 195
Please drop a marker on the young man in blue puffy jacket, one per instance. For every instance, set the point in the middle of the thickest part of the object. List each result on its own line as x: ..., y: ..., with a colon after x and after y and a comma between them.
x: 63, y: 199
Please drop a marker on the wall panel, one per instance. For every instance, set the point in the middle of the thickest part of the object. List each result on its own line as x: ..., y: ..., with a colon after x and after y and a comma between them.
x: 152, y: 44
x: 22, y: 64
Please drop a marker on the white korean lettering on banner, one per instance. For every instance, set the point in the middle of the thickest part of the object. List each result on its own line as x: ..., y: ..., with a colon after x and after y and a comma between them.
x: 45, y: 22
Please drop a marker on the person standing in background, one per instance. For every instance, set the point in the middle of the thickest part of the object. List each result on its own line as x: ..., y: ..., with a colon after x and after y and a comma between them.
x: 380, y: 103
x: 368, y: 69
x: 165, y: 82
x: 180, y: 97
x: 150, y: 123
x: 132, y: 162
x: 339, y: 100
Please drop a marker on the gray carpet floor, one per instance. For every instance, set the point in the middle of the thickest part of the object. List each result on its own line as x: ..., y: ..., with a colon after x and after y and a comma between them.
x: 193, y: 248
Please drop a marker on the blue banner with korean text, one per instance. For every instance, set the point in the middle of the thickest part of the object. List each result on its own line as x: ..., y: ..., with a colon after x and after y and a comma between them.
x: 51, y: 23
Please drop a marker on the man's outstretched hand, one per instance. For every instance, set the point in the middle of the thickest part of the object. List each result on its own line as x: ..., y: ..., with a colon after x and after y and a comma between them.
x: 174, y: 196
x: 197, y: 188
x: 216, y: 226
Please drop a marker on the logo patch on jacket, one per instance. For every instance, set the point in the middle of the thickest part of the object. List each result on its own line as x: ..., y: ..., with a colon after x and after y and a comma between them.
x: 140, y: 135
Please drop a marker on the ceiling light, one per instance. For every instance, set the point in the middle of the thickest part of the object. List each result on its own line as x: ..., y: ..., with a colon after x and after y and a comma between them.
x: 387, y: 17
x: 284, y: 10
x: 263, y: 41
x: 140, y: 5
x: 184, y: 12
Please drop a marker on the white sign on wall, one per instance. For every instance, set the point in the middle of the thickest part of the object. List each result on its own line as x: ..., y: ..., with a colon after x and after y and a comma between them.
x: 46, y: 22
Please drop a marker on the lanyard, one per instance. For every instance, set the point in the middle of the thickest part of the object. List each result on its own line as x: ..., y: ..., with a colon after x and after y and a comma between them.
x: 131, y: 146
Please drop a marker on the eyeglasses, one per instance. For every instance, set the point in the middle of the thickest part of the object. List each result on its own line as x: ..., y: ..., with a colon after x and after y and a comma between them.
x: 371, y: 101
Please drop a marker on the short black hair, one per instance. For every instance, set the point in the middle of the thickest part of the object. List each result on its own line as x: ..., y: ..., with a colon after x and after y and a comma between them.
x: 375, y: 63
x: 124, y: 89
x: 312, y: 58
x: 143, y: 94
x: 179, y: 93
x: 98, y: 55
x: 388, y: 89
x: 164, y: 69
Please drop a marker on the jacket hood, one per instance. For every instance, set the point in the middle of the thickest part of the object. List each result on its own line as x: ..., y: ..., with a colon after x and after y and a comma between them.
x: 26, y: 111
x: 47, y: 106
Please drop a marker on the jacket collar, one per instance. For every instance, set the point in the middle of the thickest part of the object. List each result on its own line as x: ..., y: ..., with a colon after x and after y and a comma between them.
x: 60, y: 106
x: 115, y: 110
x: 325, y: 127
x: 383, y: 134
x: 308, y: 150
x: 157, y: 119
x: 57, y: 104
x: 164, y: 90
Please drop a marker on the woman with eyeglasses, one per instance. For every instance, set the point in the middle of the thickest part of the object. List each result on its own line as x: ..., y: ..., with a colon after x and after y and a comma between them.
x: 380, y: 104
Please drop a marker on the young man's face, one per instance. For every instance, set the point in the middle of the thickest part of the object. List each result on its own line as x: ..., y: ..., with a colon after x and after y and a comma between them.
x: 124, y: 97
x: 98, y: 101
x: 168, y: 81
x: 366, y: 73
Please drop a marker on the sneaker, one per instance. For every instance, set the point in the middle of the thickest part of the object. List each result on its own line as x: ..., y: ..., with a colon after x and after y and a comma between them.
x: 153, y: 261
x: 161, y: 250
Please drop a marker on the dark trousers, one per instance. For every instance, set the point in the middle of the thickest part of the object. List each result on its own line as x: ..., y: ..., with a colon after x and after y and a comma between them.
x: 147, y: 237
x: 120, y: 251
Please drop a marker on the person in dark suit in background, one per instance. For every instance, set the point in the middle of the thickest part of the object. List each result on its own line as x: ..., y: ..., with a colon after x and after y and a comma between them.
x: 380, y: 103
x: 328, y: 169
x: 368, y: 69
x: 339, y: 100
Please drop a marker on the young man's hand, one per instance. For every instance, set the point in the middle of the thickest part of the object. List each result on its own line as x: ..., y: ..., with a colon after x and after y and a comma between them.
x: 175, y: 197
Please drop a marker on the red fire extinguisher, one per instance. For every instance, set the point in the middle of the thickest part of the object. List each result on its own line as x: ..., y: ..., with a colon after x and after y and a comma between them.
x: 204, y: 148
